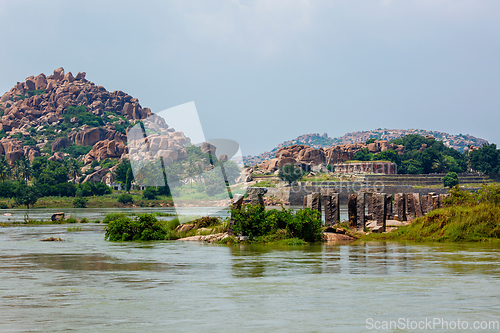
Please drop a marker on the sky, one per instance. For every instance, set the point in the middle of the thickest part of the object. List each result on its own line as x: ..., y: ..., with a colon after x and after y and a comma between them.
x: 266, y: 71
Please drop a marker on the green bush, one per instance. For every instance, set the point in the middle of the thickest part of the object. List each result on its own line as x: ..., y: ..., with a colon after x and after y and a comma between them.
x: 113, y: 216
x: 450, y: 180
x: 149, y: 193
x: 125, y: 198
x: 84, y: 220
x: 71, y: 220
x: 255, y: 221
x: 84, y: 116
x: 89, y: 189
x: 290, y: 173
x: 144, y: 228
x: 3, y: 205
x: 80, y: 202
x: 76, y: 151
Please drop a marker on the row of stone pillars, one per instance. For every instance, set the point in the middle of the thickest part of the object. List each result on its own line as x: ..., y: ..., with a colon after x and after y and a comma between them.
x: 382, y: 206
x: 331, y: 203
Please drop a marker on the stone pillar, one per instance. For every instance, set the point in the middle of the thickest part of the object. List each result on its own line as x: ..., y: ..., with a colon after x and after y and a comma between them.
x: 400, y: 203
x: 336, y: 207
x: 305, y: 201
x: 410, y: 206
x: 436, y: 202
x: 237, y: 202
x: 316, y: 201
x: 255, y: 194
x: 430, y: 200
x: 369, y: 203
x: 379, y: 212
x: 360, y: 223
x: 352, y: 209
x: 418, y: 206
x: 327, y: 203
x: 424, y: 204
x: 388, y: 206
x: 309, y: 201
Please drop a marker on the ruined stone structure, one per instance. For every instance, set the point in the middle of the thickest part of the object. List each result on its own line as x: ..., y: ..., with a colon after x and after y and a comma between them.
x: 307, y: 157
x: 387, y: 168
x: 408, y: 206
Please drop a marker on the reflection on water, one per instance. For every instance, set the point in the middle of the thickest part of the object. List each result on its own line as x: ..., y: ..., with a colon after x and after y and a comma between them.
x: 86, y: 284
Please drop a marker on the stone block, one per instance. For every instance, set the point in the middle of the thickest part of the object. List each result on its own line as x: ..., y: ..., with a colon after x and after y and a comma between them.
x: 400, y: 206
x: 379, y: 212
x: 352, y: 209
x: 360, y: 207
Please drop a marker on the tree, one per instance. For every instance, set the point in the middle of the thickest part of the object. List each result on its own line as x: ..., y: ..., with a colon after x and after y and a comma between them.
x: 149, y: 193
x: 388, y: 155
x: 24, y: 170
x: 290, y: 173
x: 121, y: 171
x: 129, y: 179
x: 5, y: 170
x: 214, y: 182
x: 232, y: 171
x: 80, y: 202
x: 73, y: 169
x: 450, y: 180
x: 363, y: 155
x: 486, y: 159
x: 192, y: 170
x: 25, y: 195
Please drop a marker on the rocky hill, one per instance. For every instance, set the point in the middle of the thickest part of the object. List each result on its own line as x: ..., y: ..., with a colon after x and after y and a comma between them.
x: 45, y: 114
x: 459, y: 142
x: 305, y: 155
x: 61, y: 114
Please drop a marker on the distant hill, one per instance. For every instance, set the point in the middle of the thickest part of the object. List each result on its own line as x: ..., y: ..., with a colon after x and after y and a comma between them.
x: 459, y: 142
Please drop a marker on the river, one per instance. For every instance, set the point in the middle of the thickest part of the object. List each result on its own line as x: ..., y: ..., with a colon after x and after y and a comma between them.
x: 86, y: 284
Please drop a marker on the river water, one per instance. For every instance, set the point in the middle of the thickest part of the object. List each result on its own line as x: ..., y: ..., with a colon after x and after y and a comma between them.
x: 85, y: 284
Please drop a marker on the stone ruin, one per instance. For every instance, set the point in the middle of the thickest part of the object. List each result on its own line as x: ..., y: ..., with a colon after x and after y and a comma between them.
x: 361, y: 206
x: 380, y: 207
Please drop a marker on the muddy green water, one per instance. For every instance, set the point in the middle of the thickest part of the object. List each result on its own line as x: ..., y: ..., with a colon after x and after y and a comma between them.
x: 86, y: 284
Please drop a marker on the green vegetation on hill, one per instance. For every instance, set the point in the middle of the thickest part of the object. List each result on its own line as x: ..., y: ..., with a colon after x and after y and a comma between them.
x: 486, y: 159
x: 421, y: 156
x: 84, y: 117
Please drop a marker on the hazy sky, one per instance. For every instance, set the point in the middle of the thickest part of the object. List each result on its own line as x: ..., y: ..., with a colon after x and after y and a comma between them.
x: 262, y: 72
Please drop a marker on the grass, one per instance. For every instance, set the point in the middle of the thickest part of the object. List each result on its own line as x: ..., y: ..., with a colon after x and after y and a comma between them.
x: 105, y: 201
x: 73, y: 229
x: 265, y: 183
x: 478, y: 223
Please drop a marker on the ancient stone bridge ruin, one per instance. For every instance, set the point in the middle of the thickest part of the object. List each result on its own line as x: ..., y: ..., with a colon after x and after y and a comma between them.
x: 364, y: 206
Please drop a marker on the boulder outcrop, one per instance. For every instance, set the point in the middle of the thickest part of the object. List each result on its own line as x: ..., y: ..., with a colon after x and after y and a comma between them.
x: 307, y: 156
x: 43, y: 100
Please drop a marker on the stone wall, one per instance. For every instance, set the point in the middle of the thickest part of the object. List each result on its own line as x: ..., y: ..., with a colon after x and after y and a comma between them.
x: 387, y: 168
x: 295, y: 194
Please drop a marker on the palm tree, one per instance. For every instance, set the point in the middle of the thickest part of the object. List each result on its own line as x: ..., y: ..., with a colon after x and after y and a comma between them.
x: 73, y: 169
x: 25, y: 170
x: 5, y: 170
x: 192, y: 170
x: 439, y: 164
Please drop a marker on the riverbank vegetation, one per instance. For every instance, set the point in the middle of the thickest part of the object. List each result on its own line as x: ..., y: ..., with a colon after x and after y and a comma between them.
x: 466, y: 217
x: 146, y: 227
x: 284, y: 226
